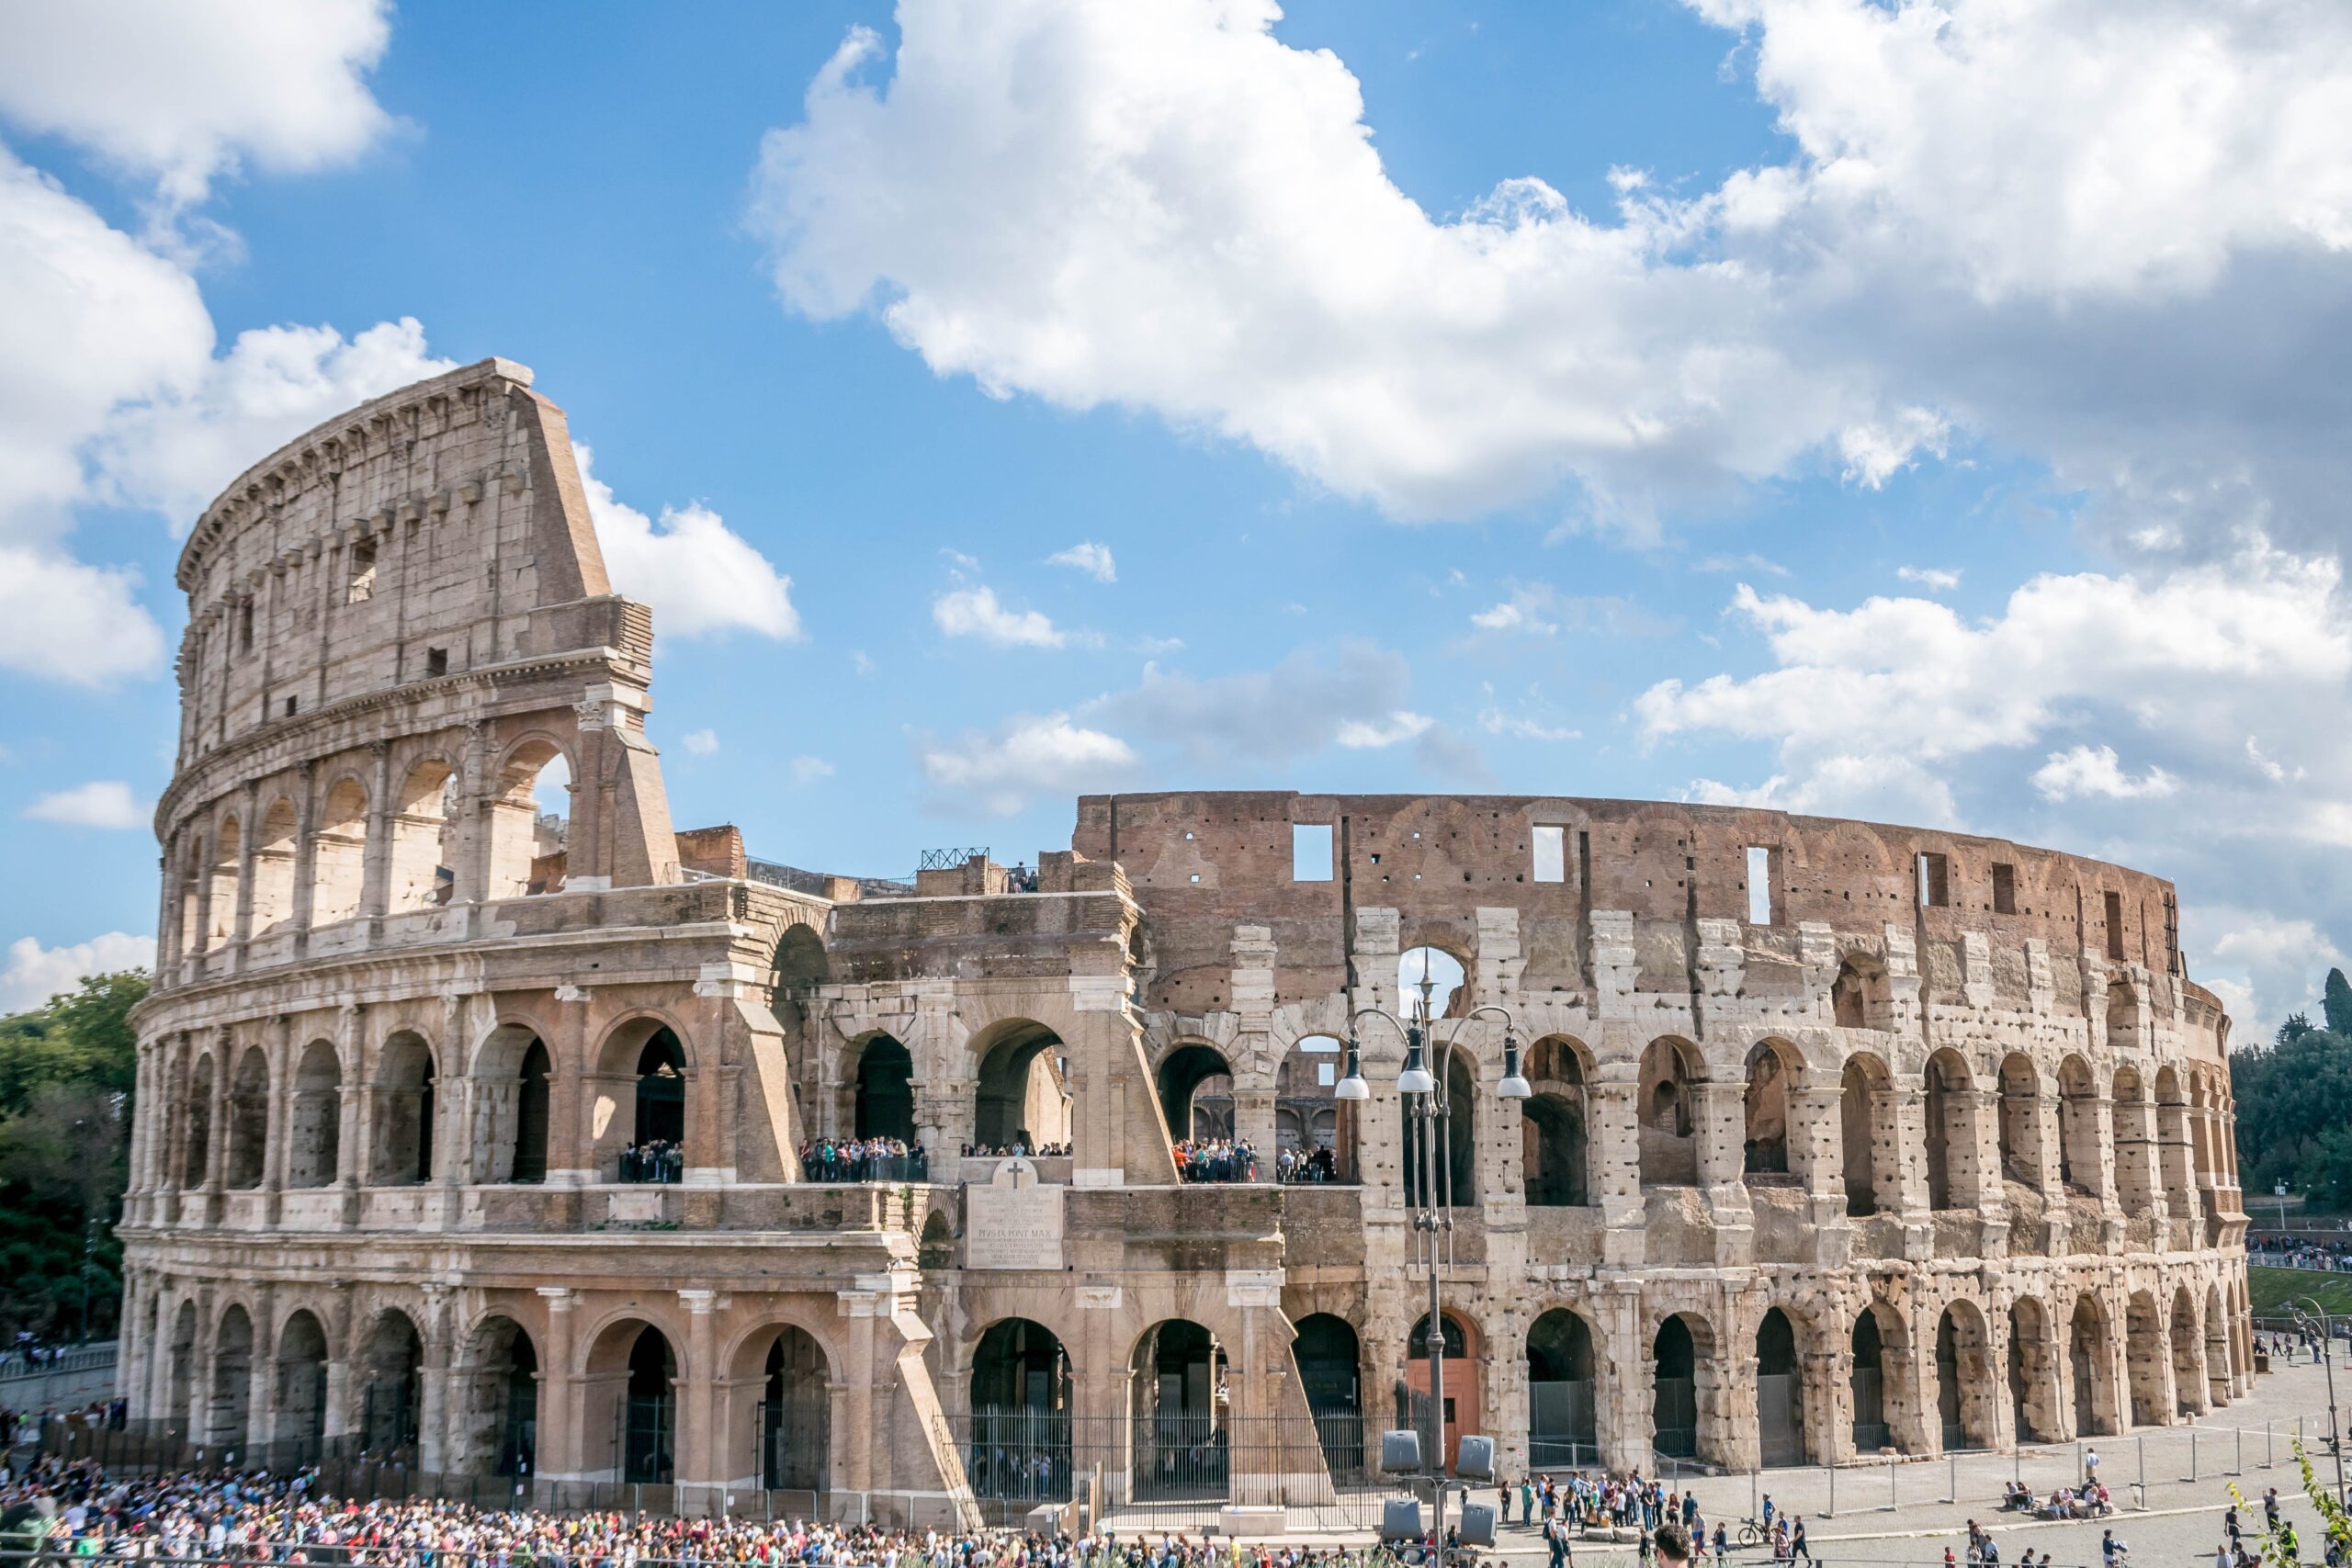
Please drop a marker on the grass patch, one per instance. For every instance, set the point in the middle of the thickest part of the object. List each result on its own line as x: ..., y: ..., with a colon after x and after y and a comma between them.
x: 2269, y: 1289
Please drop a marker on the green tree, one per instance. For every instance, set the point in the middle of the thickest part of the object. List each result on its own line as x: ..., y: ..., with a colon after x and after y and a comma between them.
x: 2336, y: 1004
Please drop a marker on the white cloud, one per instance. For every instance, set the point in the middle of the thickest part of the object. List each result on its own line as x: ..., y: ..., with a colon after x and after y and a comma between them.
x: 974, y: 612
x: 2083, y: 771
x: 33, y: 974
x: 808, y: 770
x: 997, y: 773
x: 1538, y: 609
x: 1934, y: 578
x: 1875, y: 452
x: 182, y: 92
x: 2262, y: 965
x: 1362, y: 735
x: 1516, y: 614
x: 700, y: 576
x: 102, y: 803
x: 701, y: 742
x: 1090, y: 557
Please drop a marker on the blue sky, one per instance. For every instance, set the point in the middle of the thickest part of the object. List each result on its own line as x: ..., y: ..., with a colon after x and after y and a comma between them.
x: 1804, y: 404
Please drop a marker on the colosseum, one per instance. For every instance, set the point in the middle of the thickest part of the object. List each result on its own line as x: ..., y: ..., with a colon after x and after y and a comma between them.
x: 490, y: 1126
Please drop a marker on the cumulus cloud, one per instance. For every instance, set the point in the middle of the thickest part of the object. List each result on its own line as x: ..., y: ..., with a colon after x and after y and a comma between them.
x: 33, y: 974
x: 701, y: 577
x: 1538, y: 609
x: 101, y: 803
x: 1933, y: 578
x: 2082, y: 770
x: 998, y: 771
x: 183, y: 93
x: 1090, y: 557
x: 974, y: 612
x: 2262, y: 965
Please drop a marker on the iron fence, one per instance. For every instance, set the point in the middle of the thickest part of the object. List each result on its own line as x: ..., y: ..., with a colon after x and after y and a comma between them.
x: 950, y: 859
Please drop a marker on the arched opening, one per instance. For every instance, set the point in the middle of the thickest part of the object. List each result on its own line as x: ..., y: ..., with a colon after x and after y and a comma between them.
x: 1020, y: 1447
x: 248, y: 1118
x: 2087, y: 1360
x: 1555, y: 1144
x: 884, y: 1095
x: 2030, y: 1371
x: 530, y: 1163
x: 1020, y: 1101
x: 1861, y: 997
x: 2020, y: 1121
x: 1674, y: 1391
x: 196, y: 1162
x: 220, y: 891
x: 530, y: 815
x: 1963, y: 1378
x: 2188, y: 1376
x: 1871, y: 1432
x: 1951, y: 1132
x: 1327, y: 1353
x: 1457, y: 1348
x: 1780, y: 1392
x: 301, y: 1393
x: 1306, y: 1117
x: 424, y: 858
x: 2145, y: 1355
x: 1448, y: 992
x: 1196, y: 1094
x: 1869, y: 1137
x: 2079, y: 1152
x: 391, y: 1387
x: 274, y: 854
x: 1772, y: 1068
x: 801, y: 962
x: 1563, y: 1429
x: 1669, y: 1142
x: 339, y: 855
x: 795, y: 1416
x: 657, y: 1149
x: 1179, y: 1409
x: 1452, y: 1162
x: 498, y: 1401
x: 404, y: 1111
x: 230, y: 1406
x: 314, y: 1131
x: 648, y: 1414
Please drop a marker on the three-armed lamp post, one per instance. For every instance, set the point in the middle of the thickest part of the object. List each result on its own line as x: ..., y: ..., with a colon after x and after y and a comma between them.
x: 1426, y: 1087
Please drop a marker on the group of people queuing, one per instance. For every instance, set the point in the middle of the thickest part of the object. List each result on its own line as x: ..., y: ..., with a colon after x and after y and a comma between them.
x: 1306, y: 1164
x: 659, y: 1160
x: 864, y: 1159
x: 2300, y: 1250
x: 1018, y: 1148
x: 1662, y: 1517
x: 1216, y: 1159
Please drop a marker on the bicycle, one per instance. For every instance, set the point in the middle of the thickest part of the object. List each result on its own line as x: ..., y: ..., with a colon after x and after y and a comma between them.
x: 1753, y: 1533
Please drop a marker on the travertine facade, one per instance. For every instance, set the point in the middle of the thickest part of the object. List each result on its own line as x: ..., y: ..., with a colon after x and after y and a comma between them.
x: 1842, y: 1135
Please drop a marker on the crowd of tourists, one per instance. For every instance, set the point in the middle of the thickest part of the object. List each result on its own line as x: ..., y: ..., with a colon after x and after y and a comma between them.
x: 1018, y: 1148
x: 659, y: 1161
x: 1306, y: 1164
x: 864, y: 1159
x: 1216, y: 1159
x: 2293, y: 1249
x: 1564, y: 1508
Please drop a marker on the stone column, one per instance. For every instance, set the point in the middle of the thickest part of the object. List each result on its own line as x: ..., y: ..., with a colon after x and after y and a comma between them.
x: 261, y: 1384
x: 1722, y: 1123
x: 1829, y: 1404
x: 1616, y: 1134
x: 375, y: 853
x: 559, y: 1400
x: 433, y: 1383
x: 698, y: 1449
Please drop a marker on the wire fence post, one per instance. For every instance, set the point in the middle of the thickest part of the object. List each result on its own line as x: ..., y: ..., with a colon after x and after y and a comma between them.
x: 1891, y: 1506
x: 2144, y: 1472
x: 2192, y: 1453
x: 1952, y: 1485
x: 1831, y: 1512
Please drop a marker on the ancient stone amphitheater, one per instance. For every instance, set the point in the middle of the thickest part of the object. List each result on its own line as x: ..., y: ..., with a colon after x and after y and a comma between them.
x: 474, y: 1094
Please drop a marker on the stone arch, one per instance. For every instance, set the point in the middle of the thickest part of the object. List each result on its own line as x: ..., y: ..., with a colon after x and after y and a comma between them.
x: 2020, y: 1121
x: 793, y: 1415
x: 196, y: 1150
x: 640, y: 1095
x: 1877, y: 1389
x: 228, y: 1408
x: 389, y: 1402
x: 1682, y: 1379
x: 1449, y: 1175
x: 1861, y: 996
x: 882, y: 1092
x: 423, y: 854
x: 1195, y: 1085
x: 529, y: 841
x: 629, y: 1401
x: 1021, y: 1408
x: 222, y: 880
x: 275, y: 852
x: 513, y: 1075
x: 496, y: 1400
x: 2032, y: 1372
x: 1773, y: 1066
x: 2188, y: 1392
x: 1965, y: 1390
x: 1562, y: 1386
x: 1952, y: 1143
x: 2079, y: 1139
x: 1019, y: 1098
x: 1668, y: 1116
x: 1555, y: 1141
x: 299, y: 1394
x: 2147, y: 1358
x: 248, y: 1107
x: 1329, y: 1359
x: 339, y: 853
x: 801, y: 962
x: 1870, y: 1137
x: 2091, y: 1368
x: 1780, y: 1390
x: 1178, y: 1372
x: 1449, y: 976
x: 315, y: 1128
x: 407, y: 1086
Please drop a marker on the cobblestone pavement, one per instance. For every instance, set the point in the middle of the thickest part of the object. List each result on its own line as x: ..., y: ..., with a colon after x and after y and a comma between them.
x: 1898, y: 1514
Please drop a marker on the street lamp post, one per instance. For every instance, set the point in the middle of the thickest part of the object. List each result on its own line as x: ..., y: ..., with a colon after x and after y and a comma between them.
x: 2327, y: 1357
x: 1427, y: 1096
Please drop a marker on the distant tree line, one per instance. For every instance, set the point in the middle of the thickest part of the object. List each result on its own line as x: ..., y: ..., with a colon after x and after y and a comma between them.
x: 2294, y: 1103
x: 67, y: 1071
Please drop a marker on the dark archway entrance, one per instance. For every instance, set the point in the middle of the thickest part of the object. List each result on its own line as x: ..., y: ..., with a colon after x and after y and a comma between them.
x: 1780, y: 1390
x: 1183, y: 1075
x: 531, y: 1118
x: 1674, y: 1391
x: 886, y: 1091
x: 1179, y: 1442
x: 662, y: 1091
x: 1019, y: 1447
x: 1562, y: 1431
x: 648, y: 1413
x: 1328, y: 1358
x: 1455, y: 1158
x: 795, y: 1416
x: 1871, y: 1432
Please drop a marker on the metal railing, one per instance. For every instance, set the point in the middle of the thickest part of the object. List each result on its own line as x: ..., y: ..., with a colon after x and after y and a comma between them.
x: 950, y: 859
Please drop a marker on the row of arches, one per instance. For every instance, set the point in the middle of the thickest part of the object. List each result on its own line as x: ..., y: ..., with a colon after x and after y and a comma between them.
x: 251, y: 876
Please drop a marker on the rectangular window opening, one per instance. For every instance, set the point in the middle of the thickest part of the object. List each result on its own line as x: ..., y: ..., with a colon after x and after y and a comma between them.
x: 290, y: 707
x: 363, y: 572
x: 1935, y: 880
x: 2004, y: 888
x: 436, y: 662
x: 1759, y: 885
x: 245, y: 628
x: 1326, y: 1075
x: 2115, y: 926
x: 1551, y: 854
x: 1311, y: 852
